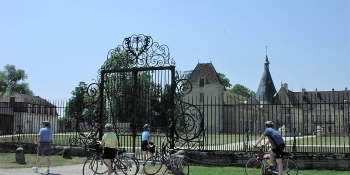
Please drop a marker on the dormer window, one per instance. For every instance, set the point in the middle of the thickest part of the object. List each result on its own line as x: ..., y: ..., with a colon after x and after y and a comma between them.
x: 201, y: 82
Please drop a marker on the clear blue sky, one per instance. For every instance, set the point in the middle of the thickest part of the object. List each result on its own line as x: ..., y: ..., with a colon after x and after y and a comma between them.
x: 60, y: 43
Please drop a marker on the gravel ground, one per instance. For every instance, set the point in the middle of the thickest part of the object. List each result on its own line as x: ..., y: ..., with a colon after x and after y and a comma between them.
x: 60, y: 170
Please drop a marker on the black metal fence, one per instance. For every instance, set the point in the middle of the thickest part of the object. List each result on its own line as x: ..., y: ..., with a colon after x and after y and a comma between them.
x: 230, y: 125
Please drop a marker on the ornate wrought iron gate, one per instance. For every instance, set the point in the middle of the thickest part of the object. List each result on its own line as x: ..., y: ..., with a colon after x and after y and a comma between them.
x: 138, y: 85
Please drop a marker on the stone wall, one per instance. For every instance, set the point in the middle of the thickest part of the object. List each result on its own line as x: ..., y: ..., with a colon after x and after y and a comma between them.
x: 303, y: 161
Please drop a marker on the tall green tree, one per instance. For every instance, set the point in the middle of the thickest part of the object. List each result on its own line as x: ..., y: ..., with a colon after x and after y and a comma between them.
x: 12, y: 81
x: 242, y: 90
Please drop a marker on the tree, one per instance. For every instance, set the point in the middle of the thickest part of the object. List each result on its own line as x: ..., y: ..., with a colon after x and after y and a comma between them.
x: 80, y: 110
x: 12, y: 81
x: 242, y: 90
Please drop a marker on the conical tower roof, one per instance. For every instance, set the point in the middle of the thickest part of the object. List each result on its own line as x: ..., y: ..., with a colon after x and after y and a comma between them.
x: 266, y: 90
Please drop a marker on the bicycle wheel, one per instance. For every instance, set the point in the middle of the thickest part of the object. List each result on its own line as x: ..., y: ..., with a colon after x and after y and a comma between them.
x: 254, y: 167
x: 131, y: 166
x: 152, y: 165
x: 94, y: 166
x: 289, y: 167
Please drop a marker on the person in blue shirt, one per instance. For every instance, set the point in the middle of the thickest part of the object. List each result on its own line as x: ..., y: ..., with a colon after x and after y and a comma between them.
x: 277, y: 143
x: 43, y: 142
x: 146, y: 140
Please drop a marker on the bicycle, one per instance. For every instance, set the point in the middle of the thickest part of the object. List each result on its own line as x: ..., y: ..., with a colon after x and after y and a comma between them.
x: 172, y: 161
x: 131, y: 162
x: 96, y: 164
x: 16, y: 136
x: 260, y: 165
x: 84, y: 139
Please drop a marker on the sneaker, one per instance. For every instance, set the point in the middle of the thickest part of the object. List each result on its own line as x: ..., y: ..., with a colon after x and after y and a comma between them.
x: 35, y: 169
x: 274, y: 172
x: 271, y: 167
x: 47, y: 171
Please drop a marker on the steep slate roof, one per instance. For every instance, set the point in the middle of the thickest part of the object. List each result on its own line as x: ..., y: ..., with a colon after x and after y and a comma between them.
x: 230, y: 98
x: 208, y: 70
x: 266, y: 88
x: 314, y: 99
x: 24, y: 98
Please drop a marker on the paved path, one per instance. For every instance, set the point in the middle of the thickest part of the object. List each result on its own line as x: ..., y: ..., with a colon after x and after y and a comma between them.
x: 60, y: 170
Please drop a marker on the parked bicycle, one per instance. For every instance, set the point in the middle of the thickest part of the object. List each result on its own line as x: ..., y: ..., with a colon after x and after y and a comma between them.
x: 260, y: 165
x: 16, y: 136
x: 82, y: 139
x: 96, y: 164
x: 172, y: 161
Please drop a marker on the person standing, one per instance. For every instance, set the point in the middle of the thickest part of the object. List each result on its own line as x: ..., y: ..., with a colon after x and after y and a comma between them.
x: 146, y: 140
x: 277, y: 143
x: 43, y: 142
x: 110, y: 143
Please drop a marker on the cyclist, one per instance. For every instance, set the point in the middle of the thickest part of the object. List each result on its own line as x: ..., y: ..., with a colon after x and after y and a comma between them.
x: 110, y: 142
x: 146, y: 142
x: 277, y: 143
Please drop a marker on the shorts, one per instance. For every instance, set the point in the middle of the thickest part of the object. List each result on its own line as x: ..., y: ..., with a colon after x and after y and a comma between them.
x: 44, y: 148
x: 109, y: 153
x: 279, y: 150
x: 144, y: 145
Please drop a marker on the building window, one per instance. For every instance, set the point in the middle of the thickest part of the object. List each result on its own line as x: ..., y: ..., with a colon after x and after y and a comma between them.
x: 36, y: 108
x: 201, y: 97
x: 336, y: 118
x: 305, y: 118
x: 323, y: 118
x: 29, y: 106
x: 201, y: 82
x: 329, y: 118
x: 48, y: 110
x: 289, y: 120
x: 305, y: 130
x: 201, y: 109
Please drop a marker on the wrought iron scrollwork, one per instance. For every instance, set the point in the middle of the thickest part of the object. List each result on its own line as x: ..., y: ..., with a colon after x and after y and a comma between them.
x: 141, y: 51
x: 189, y: 122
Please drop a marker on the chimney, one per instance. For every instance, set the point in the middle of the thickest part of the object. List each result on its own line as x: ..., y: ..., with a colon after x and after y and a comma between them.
x: 12, y: 102
x: 285, y: 86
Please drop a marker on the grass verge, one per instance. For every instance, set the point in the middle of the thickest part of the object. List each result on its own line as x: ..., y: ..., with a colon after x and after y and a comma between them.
x: 8, y: 160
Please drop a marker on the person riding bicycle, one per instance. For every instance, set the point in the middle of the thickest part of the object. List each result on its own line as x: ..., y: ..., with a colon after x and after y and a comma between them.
x: 110, y: 143
x: 277, y: 143
x: 146, y: 142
